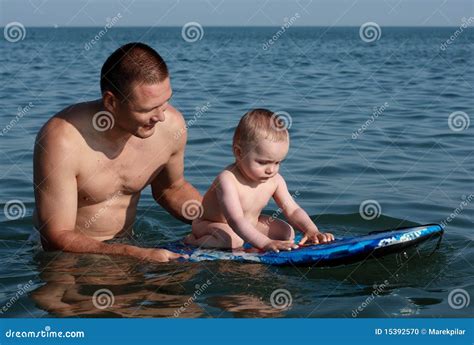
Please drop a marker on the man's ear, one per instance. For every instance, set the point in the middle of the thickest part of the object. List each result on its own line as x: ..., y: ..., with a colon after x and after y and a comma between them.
x: 110, y: 102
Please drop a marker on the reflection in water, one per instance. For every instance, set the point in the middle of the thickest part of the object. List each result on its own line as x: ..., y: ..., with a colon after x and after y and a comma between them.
x: 71, y: 281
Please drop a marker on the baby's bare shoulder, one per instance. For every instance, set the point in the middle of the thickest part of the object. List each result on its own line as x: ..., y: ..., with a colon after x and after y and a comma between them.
x: 226, y: 177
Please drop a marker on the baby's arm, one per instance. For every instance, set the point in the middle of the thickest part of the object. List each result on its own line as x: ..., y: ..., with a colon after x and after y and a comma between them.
x: 228, y: 198
x: 296, y: 216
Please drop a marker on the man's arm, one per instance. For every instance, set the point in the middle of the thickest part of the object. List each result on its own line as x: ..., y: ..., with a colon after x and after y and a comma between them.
x: 169, y: 188
x: 55, y: 186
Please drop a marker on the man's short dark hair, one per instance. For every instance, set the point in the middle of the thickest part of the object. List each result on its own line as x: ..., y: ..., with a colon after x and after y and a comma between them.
x: 132, y: 62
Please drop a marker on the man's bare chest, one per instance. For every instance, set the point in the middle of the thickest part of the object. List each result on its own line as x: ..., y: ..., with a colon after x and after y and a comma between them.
x: 101, y: 177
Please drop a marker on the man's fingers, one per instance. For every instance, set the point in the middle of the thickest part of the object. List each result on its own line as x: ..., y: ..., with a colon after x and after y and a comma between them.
x: 175, y: 256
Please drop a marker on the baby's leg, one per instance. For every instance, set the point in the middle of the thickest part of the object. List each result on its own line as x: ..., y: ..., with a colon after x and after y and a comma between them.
x: 275, y: 229
x: 207, y: 234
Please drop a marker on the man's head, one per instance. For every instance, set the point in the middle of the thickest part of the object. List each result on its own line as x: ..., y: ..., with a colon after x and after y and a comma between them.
x: 260, y: 144
x: 136, y: 88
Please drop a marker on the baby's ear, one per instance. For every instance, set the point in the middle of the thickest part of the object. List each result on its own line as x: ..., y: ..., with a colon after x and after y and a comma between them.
x: 237, y: 151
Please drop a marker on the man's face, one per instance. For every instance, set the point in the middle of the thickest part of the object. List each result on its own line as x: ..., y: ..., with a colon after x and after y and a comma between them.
x: 145, y: 108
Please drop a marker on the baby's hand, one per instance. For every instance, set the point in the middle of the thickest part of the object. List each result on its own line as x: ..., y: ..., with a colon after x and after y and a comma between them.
x: 276, y: 246
x: 317, y: 237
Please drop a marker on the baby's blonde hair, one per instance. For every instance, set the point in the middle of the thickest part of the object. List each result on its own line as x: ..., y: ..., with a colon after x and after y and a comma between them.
x: 259, y: 124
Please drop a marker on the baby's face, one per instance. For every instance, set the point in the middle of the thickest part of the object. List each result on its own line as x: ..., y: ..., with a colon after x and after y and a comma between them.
x: 262, y: 161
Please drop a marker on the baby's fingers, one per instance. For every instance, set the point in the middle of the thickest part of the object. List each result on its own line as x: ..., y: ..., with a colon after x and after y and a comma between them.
x: 303, y: 240
x: 286, y: 245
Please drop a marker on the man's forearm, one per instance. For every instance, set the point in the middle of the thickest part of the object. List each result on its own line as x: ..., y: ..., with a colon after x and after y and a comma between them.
x: 71, y: 241
x: 172, y: 199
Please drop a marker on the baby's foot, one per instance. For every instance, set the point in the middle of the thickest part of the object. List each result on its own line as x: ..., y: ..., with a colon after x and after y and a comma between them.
x: 190, y: 240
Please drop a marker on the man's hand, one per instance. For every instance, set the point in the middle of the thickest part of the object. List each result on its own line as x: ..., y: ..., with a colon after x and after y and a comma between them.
x: 316, y: 237
x: 158, y: 255
x: 276, y: 246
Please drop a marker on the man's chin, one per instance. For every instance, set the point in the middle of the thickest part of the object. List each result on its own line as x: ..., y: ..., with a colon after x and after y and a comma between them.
x: 144, y: 133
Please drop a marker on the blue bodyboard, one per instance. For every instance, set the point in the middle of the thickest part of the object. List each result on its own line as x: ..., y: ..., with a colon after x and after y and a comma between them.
x: 341, y: 251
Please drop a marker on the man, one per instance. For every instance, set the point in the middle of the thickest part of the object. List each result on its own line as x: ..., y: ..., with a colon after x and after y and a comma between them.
x: 93, y: 159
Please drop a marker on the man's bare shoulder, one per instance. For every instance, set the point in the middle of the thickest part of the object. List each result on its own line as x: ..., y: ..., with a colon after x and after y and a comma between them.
x: 174, y: 122
x: 63, y: 131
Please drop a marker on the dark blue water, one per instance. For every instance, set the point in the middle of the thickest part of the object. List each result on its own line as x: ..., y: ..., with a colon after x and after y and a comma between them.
x: 330, y: 82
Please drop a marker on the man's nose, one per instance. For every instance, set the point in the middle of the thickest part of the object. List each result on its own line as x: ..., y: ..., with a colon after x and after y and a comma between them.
x: 159, y: 117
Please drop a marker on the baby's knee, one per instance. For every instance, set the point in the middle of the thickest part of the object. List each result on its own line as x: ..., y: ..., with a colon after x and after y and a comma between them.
x: 284, y: 230
x: 230, y: 241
